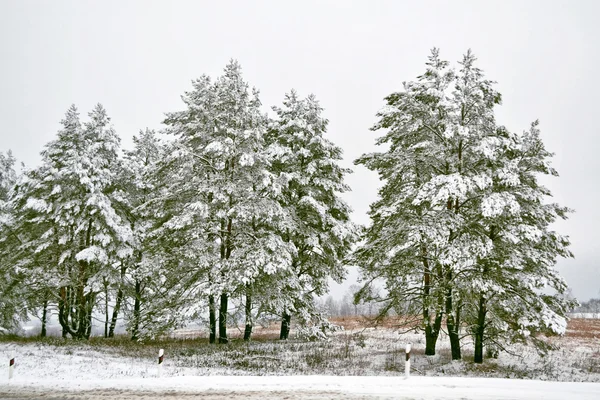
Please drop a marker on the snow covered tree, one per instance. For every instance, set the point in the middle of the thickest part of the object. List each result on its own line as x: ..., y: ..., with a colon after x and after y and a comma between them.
x: 515, y: 289
x: 222, y: 193
x: 12, y: 306
x: 468, y: 121
x: 431, y: 237
x: 406, y: 237
x: 319, y: 226
x: 8, y: 178
x: 141, y: 182
x: 71, y: 234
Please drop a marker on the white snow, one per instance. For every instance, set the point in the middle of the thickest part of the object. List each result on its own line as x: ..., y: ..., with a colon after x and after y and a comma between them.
x: 415, y: 387
x: 63, y: 369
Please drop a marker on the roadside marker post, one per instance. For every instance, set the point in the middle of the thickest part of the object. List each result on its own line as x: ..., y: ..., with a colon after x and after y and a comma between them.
x: 11, y: 365
x: 407, y: 365
x: 161, y: 354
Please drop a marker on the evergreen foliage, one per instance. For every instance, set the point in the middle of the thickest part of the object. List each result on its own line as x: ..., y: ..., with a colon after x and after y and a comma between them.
x: 234, y: 213
x: 461, y: 227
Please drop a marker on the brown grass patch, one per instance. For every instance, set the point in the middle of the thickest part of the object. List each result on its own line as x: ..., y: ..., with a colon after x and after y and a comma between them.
x: 584, y: 328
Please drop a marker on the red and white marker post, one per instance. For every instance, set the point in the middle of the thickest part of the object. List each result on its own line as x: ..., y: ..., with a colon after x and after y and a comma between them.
x: 407, y: 365
x: 161, y: 354
x: 11, y: 365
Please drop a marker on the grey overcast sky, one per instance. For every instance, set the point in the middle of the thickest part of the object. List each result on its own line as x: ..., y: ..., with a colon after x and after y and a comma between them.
x: 138, y: 57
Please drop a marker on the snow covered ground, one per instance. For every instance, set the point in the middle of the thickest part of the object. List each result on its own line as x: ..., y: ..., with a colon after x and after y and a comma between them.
x: 317, y: 387
x: 45, y: 371
x: 270, y: 369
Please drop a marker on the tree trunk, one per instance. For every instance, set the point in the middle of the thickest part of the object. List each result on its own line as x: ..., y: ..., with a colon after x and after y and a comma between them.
x: 81, y: 306
x: 248, y: 330
x: 117, y: 309
x: 452, y: 324
x: 85, y: 303
x: 212, y: 319
x: 105, y: 309
x: 223, y: 319
x: 432, y: 333
x: 62, y: 311
x: 75, y: 309
x: 44, y: 318
x: 453, y: 332
x: 285, y: 326
x: 135, y: 326
x: 72, y: 309
x: 91, y: 298
x: 115, y: 314
x: 75, y: 306
x: 225, y: 254
x: 479, y: 330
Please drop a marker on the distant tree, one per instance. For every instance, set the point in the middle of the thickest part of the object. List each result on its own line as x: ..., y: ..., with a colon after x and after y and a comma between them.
x: 332, y: 306
x: 590, y: 306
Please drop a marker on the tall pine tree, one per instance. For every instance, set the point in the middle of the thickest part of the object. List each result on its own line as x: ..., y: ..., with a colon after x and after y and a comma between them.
x: 71, y: 233
x: 226, y: 189
x: 456, y: 190
x: 319, y: 226
x: 12, y: 305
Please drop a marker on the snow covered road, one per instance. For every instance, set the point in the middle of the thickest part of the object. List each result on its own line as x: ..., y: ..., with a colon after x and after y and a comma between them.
x: 299, y: 387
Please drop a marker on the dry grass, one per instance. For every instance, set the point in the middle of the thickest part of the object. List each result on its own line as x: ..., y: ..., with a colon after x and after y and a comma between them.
x: 362, y: 322
x: 583, y: 328
x: 259, y: 332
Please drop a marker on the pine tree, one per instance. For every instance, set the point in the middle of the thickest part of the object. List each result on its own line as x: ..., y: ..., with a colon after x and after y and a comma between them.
x: 512, y: 286
x: 12, y: 306
x: 223, y: 193
x: 449, y: 168
x: 319, y: 225
x: 406, y: 236
x: 468, y: 122
x: 141, y: 182
x: 72, y: 236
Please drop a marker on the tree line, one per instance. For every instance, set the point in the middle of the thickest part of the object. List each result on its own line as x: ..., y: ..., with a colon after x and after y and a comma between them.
x: 591, y: 306
x: 233, y: 207
x: 227, y: 207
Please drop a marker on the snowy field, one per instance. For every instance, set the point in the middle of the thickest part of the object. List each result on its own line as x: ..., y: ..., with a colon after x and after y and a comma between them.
x: 296, y: 387
x: 357, y: 363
